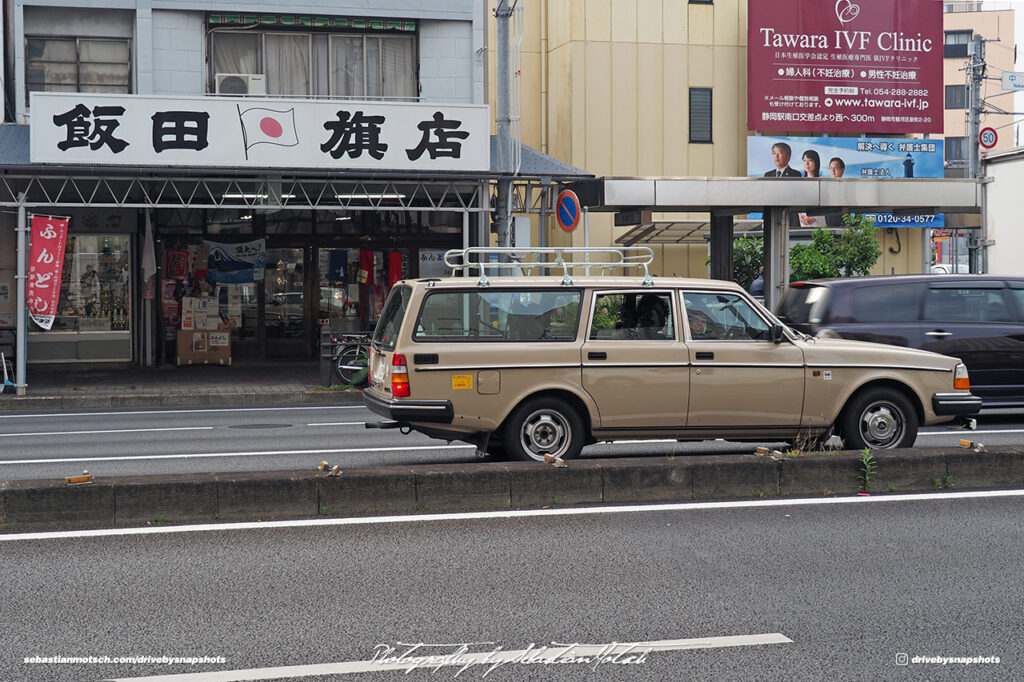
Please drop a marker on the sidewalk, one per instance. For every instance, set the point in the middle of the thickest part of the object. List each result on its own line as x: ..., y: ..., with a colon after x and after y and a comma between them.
x: 245, y: 383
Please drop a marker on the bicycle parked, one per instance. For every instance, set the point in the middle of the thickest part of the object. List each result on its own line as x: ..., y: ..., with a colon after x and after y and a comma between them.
x: 351, y: 358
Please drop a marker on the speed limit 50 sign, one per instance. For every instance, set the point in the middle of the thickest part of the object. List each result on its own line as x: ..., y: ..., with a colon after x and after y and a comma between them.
x: 988, y: 138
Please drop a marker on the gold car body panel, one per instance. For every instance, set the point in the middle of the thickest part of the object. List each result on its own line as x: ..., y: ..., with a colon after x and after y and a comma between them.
x: 653, y: 389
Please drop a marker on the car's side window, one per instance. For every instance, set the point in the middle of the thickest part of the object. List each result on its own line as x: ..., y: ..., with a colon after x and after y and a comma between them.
x: 499, y: 315
x: 886, y: 303
x: 1018, y: 294
x: 722, y: 316
x: 645, y: 316
x: 966, y: 304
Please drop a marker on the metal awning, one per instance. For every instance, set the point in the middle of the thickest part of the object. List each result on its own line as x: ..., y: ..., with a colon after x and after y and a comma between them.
x: 678, y: 232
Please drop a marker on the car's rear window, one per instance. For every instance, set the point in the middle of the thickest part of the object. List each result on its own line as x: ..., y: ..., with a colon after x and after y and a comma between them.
x: 386, y: 333
x: 499, y: 315
x: 796, y: 306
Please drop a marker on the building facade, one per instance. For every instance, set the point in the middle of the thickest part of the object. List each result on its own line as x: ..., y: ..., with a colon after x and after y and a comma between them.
x: 627, y: 88
x: 179, y: 145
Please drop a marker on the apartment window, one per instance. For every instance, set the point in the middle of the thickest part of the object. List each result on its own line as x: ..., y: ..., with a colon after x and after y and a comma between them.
x: 955, y: 148
x: 956, y: 96
x: 700, y: 115
x: 336, y: 65
x: 77, y: 65
x: 955, y: 43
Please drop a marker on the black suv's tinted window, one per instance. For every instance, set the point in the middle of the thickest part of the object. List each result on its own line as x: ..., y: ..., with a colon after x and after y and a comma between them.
x: 1019, y: 295
x: 967, y: 304
x: 803, y: 303
x: 886, y: 303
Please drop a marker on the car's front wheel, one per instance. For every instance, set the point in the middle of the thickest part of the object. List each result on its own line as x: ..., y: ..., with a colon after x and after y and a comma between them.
x: 544, y: 426
x: 879, y: 419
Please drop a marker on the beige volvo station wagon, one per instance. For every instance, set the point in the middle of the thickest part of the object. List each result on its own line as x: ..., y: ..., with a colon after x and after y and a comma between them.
x: 529, y: 366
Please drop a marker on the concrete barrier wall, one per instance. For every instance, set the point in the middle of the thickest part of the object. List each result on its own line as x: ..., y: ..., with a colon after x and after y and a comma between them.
x: 484, y: 486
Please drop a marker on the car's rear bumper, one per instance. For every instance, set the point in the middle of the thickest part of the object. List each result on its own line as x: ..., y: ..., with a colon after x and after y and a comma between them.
x: 956, y: 404
x: 422, y: 411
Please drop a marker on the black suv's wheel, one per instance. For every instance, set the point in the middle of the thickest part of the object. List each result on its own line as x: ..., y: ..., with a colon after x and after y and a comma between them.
x: 544, y: 426
x: 880, y: 418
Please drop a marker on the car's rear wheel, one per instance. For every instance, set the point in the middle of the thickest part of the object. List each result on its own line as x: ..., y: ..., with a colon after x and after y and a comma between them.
x: 879, y: 419
x: 544, y: 426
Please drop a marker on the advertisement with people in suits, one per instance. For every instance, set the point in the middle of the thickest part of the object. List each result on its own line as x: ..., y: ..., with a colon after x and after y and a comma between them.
x: 845, y: 158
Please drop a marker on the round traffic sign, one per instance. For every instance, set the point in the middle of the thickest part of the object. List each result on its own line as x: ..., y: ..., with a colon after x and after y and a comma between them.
x: 567, y: 210
x: 988, y: 137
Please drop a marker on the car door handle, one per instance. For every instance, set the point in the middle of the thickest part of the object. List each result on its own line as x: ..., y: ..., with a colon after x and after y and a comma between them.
x: 597, y: 356
x: 938, y: 333
x: 705, y: 355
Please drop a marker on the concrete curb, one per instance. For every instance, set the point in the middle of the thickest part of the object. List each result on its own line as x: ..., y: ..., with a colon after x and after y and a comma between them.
x: 385, y: 490
x: 51, y: 403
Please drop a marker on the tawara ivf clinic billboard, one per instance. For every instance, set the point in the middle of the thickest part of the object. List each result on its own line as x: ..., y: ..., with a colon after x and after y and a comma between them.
x: 847, y: 66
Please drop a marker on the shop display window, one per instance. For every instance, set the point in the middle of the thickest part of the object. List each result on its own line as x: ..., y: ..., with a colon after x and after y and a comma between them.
x: 95, y: 287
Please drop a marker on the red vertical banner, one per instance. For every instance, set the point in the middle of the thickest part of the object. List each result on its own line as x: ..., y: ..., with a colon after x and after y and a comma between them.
x: 365, y: 273
x: 45, y: 264
x: 394, y: 268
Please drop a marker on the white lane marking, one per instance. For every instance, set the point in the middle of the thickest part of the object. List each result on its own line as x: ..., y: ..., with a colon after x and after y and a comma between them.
x: 336, y: 424
x: 968, y: 432
x: 29, y: 415
x: 620, y: 442
x: 202, y: 455
x: 560, y: 653
x: 82, y: 433
x: 508, y: 514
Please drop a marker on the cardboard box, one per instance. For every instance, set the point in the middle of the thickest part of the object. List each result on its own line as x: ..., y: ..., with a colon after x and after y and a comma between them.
x: 202, y: 347
x: 220, y: 348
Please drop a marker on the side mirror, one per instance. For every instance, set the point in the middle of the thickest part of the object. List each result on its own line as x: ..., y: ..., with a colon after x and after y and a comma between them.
x: 778, y: 331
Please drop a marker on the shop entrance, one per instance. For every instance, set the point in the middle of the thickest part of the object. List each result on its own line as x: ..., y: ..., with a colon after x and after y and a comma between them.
x: 287, y: 313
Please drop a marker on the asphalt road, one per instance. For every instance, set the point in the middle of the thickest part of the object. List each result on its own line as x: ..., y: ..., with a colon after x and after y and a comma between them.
x: 835, y: 589
x: 109, y: 443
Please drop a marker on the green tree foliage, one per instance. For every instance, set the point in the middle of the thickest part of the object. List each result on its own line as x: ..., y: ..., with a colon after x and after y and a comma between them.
x: 747, y: 258
x: 850, y: 253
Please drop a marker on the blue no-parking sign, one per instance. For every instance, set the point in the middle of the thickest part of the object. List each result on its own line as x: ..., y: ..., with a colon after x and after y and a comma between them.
x: 567, y: 210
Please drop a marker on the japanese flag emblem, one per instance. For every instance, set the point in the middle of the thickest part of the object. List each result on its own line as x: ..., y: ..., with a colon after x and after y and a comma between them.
x: 270, y: 126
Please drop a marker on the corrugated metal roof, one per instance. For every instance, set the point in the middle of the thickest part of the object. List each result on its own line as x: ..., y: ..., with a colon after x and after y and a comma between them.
x: 14, y: 153
x: 14, y: 145
x: 539, y: 164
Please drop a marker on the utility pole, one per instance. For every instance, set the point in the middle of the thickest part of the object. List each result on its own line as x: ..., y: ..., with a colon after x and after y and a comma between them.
x: 503, y: 104
x: 975, y: 78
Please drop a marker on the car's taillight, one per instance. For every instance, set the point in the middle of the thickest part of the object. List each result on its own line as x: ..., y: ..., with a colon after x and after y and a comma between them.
x: 960, y: 378
x: 399, y: 377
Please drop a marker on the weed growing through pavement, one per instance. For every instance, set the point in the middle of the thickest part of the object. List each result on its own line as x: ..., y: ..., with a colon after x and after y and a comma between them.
x: 868, y: 469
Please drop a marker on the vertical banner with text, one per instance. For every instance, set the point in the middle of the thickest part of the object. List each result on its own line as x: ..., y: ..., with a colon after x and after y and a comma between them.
x: 46, y: 261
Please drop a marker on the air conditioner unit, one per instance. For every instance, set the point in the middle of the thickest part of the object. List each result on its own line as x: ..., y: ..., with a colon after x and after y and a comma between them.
x: 241, y: 84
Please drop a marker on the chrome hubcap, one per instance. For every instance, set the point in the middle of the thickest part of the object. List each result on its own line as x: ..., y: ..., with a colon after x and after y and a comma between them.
x: 545, y: 432
x: 882, y: 425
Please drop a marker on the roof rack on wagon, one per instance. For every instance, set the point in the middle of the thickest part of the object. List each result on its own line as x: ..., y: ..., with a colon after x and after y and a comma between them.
x: 527, y: 260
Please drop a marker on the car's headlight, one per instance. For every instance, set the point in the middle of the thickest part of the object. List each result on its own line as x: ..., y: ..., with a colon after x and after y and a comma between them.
x: 826, y: 333
x: 960, y: 379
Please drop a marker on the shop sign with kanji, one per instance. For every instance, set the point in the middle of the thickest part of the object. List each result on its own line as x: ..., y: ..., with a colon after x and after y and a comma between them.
x: 132, y: 130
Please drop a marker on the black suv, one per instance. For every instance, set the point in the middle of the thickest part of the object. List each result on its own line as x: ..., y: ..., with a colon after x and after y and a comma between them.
x: 977, y: 318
